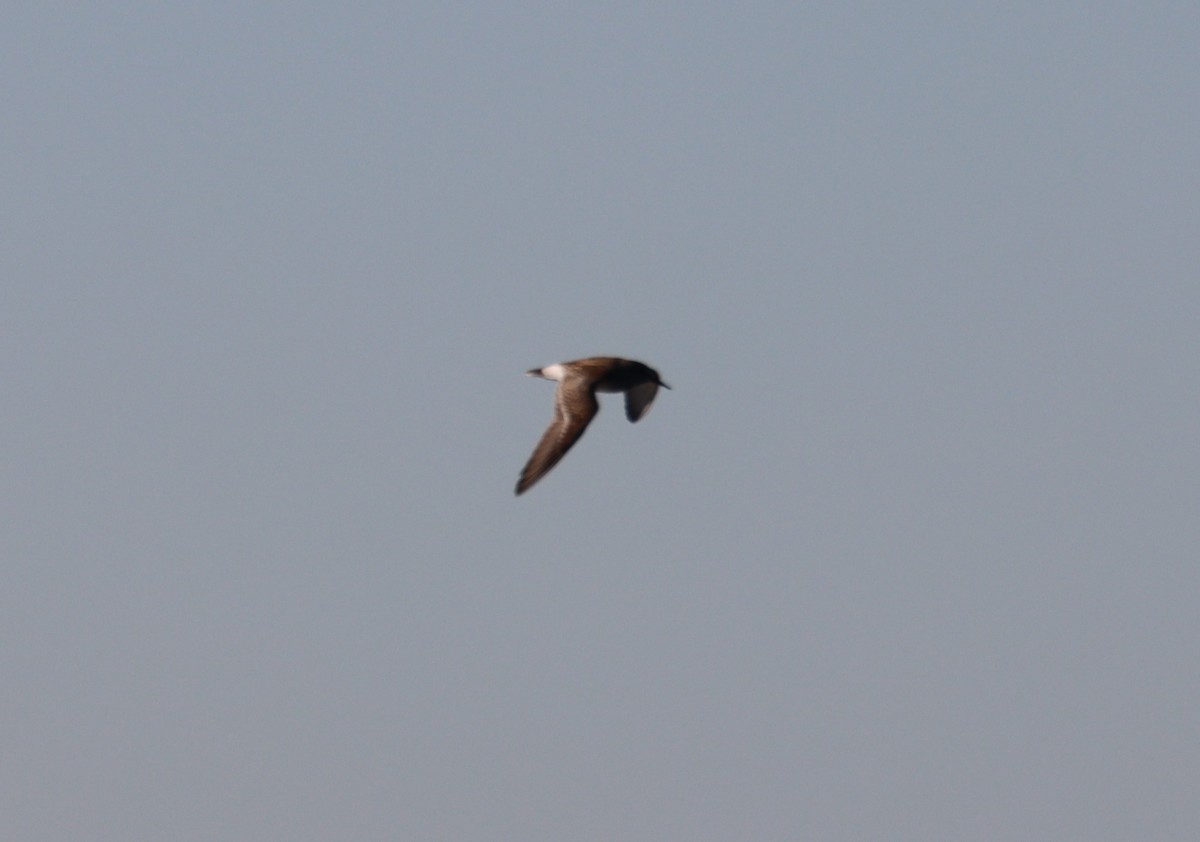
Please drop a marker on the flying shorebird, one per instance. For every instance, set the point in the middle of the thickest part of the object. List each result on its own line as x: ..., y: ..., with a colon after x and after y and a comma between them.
x: 575, y: 404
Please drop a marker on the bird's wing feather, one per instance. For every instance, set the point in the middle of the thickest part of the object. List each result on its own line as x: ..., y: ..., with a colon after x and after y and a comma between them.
x: 639, y: 398
x: 574, y: 408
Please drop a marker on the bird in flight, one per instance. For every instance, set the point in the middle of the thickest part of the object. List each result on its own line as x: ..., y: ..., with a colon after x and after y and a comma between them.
x: 575, y: 404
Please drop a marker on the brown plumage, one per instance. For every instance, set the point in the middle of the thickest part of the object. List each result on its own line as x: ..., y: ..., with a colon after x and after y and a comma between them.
x: 575, y: 404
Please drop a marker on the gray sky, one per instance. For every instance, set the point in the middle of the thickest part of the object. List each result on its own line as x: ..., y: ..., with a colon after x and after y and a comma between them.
x: 909, y: 552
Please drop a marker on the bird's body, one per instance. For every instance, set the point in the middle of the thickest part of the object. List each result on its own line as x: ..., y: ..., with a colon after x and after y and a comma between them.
x: 575, y: 404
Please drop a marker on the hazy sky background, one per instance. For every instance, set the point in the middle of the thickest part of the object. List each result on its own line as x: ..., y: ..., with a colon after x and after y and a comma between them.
x: 910, y: 552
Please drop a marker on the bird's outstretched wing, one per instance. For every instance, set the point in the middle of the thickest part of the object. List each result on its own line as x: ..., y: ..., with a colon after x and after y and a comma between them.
x: 574, y: 408
x: 639, y: 398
